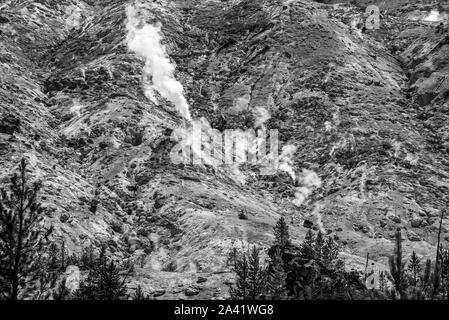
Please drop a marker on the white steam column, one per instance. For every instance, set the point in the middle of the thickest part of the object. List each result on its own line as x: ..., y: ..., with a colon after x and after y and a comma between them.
x: 146, y: 42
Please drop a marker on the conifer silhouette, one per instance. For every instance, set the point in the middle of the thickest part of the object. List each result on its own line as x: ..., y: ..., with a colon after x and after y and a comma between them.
x: 277, y: 278
x: 24, y: 269
x: 281, y: 235
x: 397, y: 270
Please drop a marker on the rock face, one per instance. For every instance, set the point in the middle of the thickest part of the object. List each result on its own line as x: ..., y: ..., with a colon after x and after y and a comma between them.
x: 366, y: 113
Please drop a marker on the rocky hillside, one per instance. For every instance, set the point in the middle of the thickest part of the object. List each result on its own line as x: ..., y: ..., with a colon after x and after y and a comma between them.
x: 364, y: 111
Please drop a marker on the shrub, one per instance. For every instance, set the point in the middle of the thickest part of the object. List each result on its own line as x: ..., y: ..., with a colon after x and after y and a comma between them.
x: 242, y: 215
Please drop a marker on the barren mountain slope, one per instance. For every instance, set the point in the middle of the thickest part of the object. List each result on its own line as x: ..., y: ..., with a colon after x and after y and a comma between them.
x: 73, y: 103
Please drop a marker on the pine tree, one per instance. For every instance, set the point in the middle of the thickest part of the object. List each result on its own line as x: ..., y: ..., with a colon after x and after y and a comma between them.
x: 330, y: 251
x: 139, y: 294
x: 414, y: 267
x: 277, y: 278
x: 249, y: 272
x: 239, y: 266
x: 427, y: 275
x: 316, y: 272
x: 88, y: 257
x: 22, y: 239
x: 103, y: 281
x: 92, y: 287
x: 63, y: 255
x: 256, y: 275
x: 319, y: 244
x: 397, y: 266
x: 53, y: 252
x: 436, y: 283
x: 114, y: 287
x: 430, y: 280
x: 436, y: 280
x: 307, y: 249
x: 281, y: 235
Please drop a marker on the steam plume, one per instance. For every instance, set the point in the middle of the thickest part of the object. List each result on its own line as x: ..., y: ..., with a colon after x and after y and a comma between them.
x: 261, y: 115
x: 146, y: 42
x: 435, y: 16
x: 308, y: 181
x: 286, y: 160
x: 317, y: 214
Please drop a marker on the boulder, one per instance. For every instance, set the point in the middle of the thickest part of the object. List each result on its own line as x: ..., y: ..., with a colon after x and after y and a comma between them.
x: 395, y: 219
x: 416, y: 222
x: 308, y: 224
x: 201, y: 280
x: 192, y: 291
x: 412, y: 236
x: 158, y: 293
x: 64, y: 218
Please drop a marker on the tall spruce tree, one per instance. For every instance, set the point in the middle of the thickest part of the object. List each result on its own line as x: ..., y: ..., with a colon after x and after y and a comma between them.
x: 330, y: 251
x: 430, y: 280
x: 53, y: 252
x: 281, y: 234
x: 397, y: 274
x: 414, y: 268
x: 250, y: 274
x: 114, y: 287
x: 23, y: 240
x: 316, y: 272
x: 277, y: 278
x: 307, y: 249
x: 319, y: 244
x: 239, y: 266
x: 103, y: 281
x: 256, y: 275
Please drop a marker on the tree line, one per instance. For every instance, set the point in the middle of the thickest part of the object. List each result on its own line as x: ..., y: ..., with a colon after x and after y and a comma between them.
x: 314, y: 271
